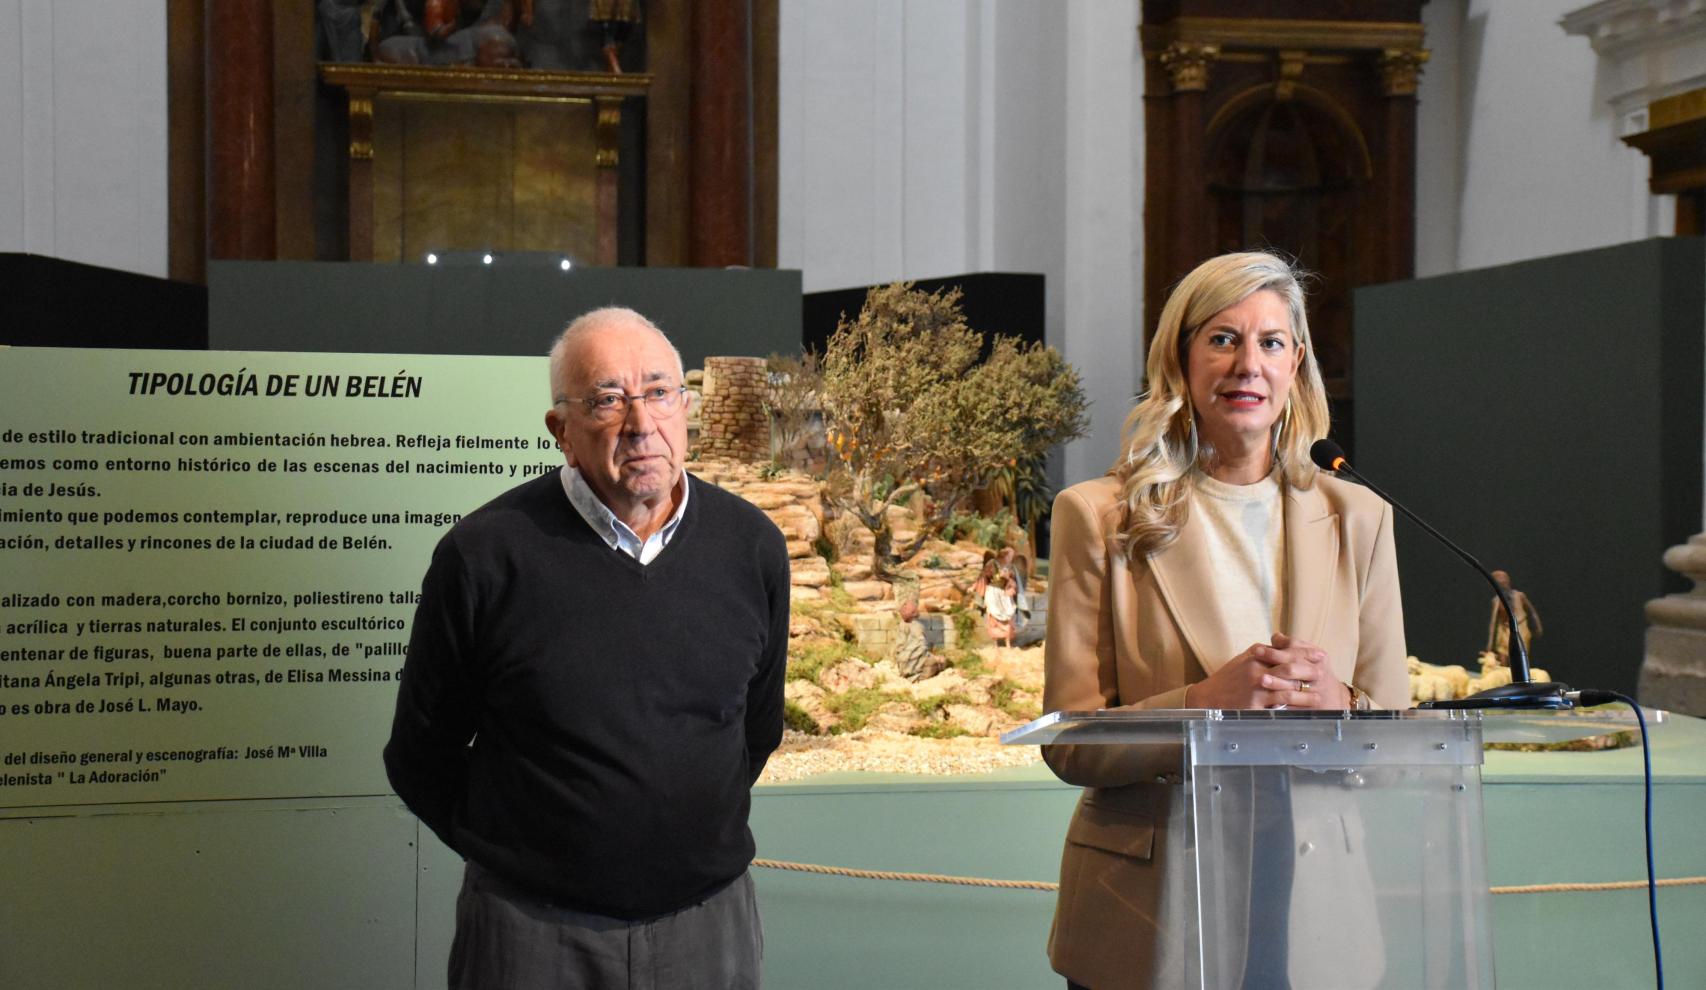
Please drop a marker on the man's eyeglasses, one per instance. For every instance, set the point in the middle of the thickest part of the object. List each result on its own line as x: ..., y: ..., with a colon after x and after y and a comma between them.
x: 661, y: 401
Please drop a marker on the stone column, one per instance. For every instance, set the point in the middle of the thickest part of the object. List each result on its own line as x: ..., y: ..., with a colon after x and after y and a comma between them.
x: 1673, y: 671
x: 732, y: 420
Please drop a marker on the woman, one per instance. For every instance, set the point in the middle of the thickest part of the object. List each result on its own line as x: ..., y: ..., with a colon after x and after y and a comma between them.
x: 1212, y: 567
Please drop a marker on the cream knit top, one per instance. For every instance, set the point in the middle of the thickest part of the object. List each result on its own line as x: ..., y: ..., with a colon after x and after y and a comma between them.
x: 1245, y: 529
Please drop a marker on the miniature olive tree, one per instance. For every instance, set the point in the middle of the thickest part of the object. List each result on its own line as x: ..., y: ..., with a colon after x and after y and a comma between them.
x: 909, y: 409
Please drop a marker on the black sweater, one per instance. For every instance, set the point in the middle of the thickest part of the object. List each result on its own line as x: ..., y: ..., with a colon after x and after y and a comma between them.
x: 619, y: 712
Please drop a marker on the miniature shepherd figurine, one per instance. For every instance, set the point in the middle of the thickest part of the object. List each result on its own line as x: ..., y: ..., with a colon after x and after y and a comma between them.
x: 999, y: 610
x: 1499, y: 631
x: 912, y: 648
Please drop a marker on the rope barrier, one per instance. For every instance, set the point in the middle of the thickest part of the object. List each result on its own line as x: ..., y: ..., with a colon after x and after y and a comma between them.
x: 846, y: 871
x: 843, y: 871
x: 1554, y: 888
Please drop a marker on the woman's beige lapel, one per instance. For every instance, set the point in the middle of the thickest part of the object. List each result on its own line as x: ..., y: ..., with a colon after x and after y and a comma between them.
x: 1184, y: 576
x: 1136, y: 635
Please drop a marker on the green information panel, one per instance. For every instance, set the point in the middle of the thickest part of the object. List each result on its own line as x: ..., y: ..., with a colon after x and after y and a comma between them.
x: 209, y: 560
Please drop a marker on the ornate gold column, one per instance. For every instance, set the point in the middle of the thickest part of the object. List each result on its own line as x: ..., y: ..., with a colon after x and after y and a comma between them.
x: 609, y: 140
x: 1401, y: 70
x: 1217, y: 79
x: 361, y: 175
x: 1187, y: 65
x: 1400, y: 73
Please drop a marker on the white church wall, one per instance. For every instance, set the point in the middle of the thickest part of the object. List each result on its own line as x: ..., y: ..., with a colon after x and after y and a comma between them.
x: 1030, y: 162
x: 888, y: 155
x: 83, y: 132
x: 939, y: 202
x: 1101, y: 296
x: 839, y: 154
x: 1439, y: 142
x: 1522, y: 106
x: 1518, y: 152
x: 931, y: 138
x: 928, y: 137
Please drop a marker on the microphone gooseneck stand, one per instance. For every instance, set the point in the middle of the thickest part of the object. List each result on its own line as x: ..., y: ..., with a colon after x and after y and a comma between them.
x: 1521, y: 692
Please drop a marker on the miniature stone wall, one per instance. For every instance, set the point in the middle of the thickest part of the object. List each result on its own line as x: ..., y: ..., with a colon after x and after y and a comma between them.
x: 875, y: 632
x: 939, y: 632
x: 733, y: 422
x: 878, y: 632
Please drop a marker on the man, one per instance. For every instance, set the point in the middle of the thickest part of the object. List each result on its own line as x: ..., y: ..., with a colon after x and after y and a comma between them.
x: 912, y: 647
x: 594, y: 681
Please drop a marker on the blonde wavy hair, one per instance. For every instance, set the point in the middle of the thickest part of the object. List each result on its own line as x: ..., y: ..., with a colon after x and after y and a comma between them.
x: 1159, y: 449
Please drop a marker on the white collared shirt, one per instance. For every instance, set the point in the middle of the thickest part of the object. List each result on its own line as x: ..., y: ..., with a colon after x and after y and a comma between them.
x: 613, y: 531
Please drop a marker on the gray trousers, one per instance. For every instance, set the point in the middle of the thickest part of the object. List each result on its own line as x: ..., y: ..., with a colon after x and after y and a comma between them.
x: 508, y: 939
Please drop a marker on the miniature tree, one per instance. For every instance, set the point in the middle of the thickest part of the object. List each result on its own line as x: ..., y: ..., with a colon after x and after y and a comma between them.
x: 910, y: 409
x: 790, y: 401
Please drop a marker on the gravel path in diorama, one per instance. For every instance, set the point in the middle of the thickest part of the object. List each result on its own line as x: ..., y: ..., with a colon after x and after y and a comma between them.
x: 802, y: 756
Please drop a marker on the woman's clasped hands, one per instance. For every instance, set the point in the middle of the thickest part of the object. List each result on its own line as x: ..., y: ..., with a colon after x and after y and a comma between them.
x: 1287, y: 673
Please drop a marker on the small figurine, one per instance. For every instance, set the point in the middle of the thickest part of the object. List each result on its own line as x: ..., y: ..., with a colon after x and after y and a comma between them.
x: 451, y: 32
x: 615, y: 18
x: 999, y: 609
x: 1496, y: 673
x: 912, y: 648
x: 1429, y: 682
x: 1005, y: 563
x: 1499, y: 630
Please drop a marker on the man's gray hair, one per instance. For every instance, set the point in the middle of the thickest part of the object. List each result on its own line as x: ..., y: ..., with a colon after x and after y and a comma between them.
x: 587, y: 322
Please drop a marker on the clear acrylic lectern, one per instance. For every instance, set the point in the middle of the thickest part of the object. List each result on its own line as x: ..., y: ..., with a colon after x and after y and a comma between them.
x: 1354, y: 837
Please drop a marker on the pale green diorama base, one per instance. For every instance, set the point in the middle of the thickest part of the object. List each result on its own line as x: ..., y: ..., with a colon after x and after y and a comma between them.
x: 349, y: 892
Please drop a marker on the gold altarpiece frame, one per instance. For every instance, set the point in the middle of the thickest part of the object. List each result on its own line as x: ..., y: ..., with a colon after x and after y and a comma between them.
x: 1289, y: 131
x: 453, y: 158
x: 1675, y: 145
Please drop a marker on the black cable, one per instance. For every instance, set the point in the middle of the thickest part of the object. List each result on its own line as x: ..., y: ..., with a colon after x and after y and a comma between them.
x: 1590, y: 698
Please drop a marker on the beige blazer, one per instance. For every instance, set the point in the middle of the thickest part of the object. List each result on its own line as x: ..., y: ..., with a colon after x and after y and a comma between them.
x: 1135, y: 635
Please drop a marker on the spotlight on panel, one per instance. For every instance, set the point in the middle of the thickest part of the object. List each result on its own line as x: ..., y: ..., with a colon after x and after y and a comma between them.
x: 507, y: 260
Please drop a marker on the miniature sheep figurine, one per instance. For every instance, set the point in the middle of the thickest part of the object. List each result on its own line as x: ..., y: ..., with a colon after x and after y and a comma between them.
x: 1495, y: 674
x: 1433, y: 683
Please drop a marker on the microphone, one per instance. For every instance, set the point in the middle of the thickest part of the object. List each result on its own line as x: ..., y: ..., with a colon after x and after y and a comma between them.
x: 1521, y: 692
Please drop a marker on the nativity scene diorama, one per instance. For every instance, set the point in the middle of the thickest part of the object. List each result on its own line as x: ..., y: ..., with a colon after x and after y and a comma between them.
x: 905, y: 462
x: 905, y: 465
